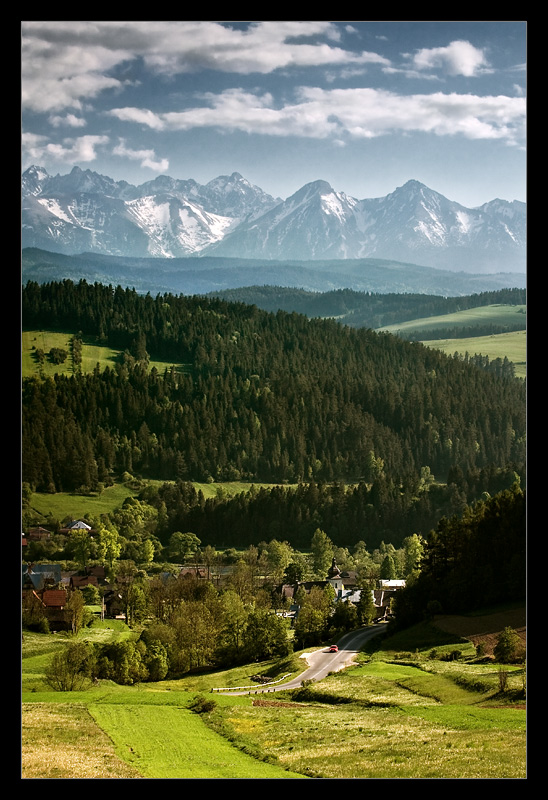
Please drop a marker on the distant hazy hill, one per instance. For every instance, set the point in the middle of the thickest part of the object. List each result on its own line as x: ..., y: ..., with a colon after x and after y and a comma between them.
x: 203, y: 275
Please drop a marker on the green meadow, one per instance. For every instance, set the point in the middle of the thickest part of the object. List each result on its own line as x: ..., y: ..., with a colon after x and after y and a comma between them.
x: 512, y: 345
x: 394, y: 714
x: 83, y: 506
x: 92, y: 354
x: 498, y: 314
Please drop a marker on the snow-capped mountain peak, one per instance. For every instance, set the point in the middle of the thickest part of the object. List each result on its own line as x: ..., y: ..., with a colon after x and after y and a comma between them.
x: 229, y: 216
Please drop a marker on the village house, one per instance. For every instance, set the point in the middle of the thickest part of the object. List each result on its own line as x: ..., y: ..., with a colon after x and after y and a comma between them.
x: 38, y: 534
x: 78, y: 525
x: 113, y: 604
x: 193, y: 572
x: 79, y: 581
x: 41, y: 576
x: 53, y: 602
x: 344, y: 584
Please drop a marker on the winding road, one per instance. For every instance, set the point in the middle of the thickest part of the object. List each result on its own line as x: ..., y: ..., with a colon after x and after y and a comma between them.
x: 321, y: 662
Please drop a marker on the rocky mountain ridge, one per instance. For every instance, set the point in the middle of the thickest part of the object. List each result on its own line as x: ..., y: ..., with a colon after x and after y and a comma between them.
x: 230, y: 217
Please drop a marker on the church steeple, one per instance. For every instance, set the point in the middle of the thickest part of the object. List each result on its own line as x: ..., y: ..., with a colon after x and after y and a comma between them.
x: 334, y: 571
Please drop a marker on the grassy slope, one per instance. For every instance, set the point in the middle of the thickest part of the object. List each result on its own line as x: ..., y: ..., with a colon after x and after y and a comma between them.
x: 64, y: 504
x: 397, y: 714
x: 512, y: 345
x: 498, y: 314
x: 92, y: 354
x: 68, y: 504
x: 400, y: 714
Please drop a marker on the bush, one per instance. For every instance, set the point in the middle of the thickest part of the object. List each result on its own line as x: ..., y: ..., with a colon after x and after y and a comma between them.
x: 454, y: 655
x: 122, y: 662
x: 157, y: 662
x: 509, y: 648
x: 503, y: 679
x: 71, y: 669
x: 202, y: 705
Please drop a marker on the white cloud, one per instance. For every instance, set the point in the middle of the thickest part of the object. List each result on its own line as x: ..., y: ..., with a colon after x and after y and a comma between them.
x: 66, y: 63
x: 56, y: 76
x: 39, y: 148
x: 141, y: 116
x: 147, y: 158
x: 458, y: 58
x: 357, y: 113
x: 260, y: 48
x: 33, y: 146
x: 70, y: 120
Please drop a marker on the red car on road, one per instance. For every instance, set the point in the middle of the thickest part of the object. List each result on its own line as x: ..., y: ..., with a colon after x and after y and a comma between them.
x: 333, y: 649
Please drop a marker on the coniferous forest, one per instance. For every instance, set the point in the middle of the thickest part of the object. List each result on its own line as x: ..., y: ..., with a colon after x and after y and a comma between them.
x: 266, y: 397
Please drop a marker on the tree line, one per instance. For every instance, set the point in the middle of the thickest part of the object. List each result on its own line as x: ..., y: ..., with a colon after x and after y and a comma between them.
x: 378, y: 512
x: 472, y: 560
x: 460, y: 331
x: 368, y: 309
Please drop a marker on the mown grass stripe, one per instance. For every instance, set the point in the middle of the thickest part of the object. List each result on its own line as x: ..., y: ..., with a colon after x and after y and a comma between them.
x: 170, y: 742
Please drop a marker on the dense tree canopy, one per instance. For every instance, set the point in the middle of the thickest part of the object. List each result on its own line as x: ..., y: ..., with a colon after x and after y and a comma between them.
x: 261, y: 397
x: 470, y: 561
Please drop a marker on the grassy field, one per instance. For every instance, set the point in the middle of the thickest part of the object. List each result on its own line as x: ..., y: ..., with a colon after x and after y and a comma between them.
x: 512, y: 345
x: 92, y: 354
x: 498, y: 314
x: 64, y: 504
x: 399, y: 712
x: 116, y: 732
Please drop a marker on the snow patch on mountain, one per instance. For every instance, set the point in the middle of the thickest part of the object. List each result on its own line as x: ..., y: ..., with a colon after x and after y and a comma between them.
x: 54, y: 207
x: 231, y: 217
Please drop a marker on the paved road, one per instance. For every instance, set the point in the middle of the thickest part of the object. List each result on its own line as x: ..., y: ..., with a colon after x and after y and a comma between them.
x: 321, y: 662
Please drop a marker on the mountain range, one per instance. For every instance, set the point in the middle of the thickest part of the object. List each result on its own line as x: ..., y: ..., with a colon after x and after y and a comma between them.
x: 166, y: 218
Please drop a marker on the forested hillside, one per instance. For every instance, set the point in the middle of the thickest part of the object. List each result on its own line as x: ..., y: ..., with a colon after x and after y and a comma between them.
x: 367, y: 309
x: 262, y: 397
x: 471, y: 561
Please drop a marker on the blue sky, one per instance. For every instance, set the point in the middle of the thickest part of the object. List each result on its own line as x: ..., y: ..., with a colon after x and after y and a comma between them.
x: 364, y: 105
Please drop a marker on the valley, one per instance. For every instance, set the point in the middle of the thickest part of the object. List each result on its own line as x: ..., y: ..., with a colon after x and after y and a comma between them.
x: 384, y: 717
x: 273, y: 462
x: 98, y: 403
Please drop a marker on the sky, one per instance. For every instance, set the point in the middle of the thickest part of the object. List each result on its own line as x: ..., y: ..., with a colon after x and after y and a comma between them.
x: 364, y: 105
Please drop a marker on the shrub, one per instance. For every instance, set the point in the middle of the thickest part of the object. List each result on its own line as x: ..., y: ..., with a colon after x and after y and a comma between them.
x: 122, y: 662
x: 503, y: 679
x: 71, y: 669
x: 509, y: 648
x: 454, y: 655
x: 202, y: 705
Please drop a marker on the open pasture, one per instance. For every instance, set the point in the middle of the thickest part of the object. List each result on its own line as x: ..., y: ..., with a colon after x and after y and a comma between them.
x: 392, y: 715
